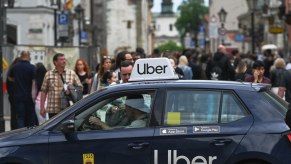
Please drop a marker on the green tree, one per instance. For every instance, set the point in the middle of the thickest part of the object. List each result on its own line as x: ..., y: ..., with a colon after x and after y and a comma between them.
x: 170, y: 46
x: 192, y: 13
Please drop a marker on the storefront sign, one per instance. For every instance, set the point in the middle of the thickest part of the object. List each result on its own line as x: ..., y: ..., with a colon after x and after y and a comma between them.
x: 276, y: 30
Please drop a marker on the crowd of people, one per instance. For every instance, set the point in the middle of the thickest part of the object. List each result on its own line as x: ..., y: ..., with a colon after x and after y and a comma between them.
x: 35, y: 94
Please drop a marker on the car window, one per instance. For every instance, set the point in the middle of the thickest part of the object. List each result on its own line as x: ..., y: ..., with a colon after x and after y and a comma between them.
x: 127, y: 110
x: 191, y: 107
x: 232, y: 109
x: 278, y: 103
x: 201, y: 107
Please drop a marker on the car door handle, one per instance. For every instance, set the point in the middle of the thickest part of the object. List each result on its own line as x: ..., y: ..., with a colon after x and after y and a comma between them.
x: 137, y: 146
x: 221, y: 142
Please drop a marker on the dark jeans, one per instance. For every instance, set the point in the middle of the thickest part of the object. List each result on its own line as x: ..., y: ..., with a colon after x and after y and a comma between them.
x: 13, y: 123
x: 25, y: 113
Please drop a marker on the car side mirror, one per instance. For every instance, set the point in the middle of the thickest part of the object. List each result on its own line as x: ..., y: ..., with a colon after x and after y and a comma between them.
x: 68, y: 127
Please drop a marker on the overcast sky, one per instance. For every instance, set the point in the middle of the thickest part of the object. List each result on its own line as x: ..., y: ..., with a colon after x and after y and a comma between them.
x: 157, y: 5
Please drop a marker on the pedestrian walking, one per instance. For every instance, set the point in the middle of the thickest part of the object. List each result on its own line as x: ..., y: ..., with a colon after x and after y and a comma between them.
x: 187, y: 71
x: 104, y: 66
x: 36, y: 94
x: 109, y: 78
x: 258, y: 74
x: 177, y: 69
x: 22, y: 74
x: 268, y: 62
x: 10, y: 91
x: 55, y: 85
x: 220, y: 68
x: 240, y: 71
x: 278, y: 77
x: 83, y: 71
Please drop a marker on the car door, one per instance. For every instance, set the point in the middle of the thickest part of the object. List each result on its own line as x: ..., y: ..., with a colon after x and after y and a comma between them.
x: 94, y: 145
x: 200, y: 126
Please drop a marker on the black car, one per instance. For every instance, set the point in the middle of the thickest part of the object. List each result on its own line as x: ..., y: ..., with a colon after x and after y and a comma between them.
x: 176, y: 122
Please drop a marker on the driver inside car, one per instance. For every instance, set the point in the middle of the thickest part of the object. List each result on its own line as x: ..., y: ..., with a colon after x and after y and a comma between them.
x: 136, y: 112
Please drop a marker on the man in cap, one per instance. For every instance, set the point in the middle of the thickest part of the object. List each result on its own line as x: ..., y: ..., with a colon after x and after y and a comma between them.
x: 136, y: 112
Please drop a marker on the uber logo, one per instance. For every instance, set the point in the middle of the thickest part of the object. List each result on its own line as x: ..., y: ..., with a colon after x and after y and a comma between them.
x: 175, y: 159
x: 147, y: 69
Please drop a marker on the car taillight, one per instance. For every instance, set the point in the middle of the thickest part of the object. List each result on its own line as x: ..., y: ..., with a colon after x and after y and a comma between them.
x: 289, y: 136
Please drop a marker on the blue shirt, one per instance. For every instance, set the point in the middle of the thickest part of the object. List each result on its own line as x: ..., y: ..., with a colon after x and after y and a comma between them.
x: 23, y: 74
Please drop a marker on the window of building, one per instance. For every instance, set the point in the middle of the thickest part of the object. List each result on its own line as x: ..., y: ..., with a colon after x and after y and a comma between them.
x: 171, y: 27
x: 157, y: 27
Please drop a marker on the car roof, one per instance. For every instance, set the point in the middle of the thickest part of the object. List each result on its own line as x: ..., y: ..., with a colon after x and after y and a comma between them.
x: 207, y: 84
x: 158, y: 72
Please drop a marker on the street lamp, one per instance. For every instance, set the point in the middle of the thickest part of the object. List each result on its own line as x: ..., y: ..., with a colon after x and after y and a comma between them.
x: 57, y: 6
x: 252, y: 4
x: 222, y: 17
x: 80, y: 13
x: 2, y: 24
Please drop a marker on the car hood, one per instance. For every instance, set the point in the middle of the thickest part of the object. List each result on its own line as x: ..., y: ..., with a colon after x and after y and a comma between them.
x: 17, y: 134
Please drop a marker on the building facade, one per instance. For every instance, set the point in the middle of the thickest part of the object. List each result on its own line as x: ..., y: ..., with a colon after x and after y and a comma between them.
x: 231, y: 32
x: 33, y: 21
x: 239, y: 30
x: 164, y: 23
x: 111, y: 26
x: 128, y: 25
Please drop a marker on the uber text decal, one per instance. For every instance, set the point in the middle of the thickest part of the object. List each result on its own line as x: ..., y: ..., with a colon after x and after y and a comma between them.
x: 175, y: 159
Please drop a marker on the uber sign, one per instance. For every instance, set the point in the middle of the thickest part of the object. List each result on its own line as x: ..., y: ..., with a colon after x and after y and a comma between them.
x: 152, y: 69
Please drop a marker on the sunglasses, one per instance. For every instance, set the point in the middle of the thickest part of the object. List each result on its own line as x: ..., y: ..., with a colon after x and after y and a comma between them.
x: 106, y: 57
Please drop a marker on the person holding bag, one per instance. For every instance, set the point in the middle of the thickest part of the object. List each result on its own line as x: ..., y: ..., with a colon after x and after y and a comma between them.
x: 54, y: 88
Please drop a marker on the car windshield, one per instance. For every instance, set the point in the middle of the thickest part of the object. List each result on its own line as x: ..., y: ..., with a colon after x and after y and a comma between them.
x: 68, y: 108
x: 279, y: 103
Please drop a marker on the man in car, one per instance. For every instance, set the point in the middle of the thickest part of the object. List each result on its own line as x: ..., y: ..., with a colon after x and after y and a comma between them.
x: 116, y: 116
x: 136, y: 111
x: 125, y: 71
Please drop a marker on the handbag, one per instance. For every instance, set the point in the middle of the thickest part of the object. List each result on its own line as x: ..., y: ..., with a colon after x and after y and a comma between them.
x: 64, y: 102
x: 76, y: 93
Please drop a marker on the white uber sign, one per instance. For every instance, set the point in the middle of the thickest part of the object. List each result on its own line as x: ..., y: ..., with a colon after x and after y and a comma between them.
x: 152, y: 69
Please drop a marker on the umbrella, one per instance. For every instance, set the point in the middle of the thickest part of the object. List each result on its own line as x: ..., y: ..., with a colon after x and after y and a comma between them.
x: 269, y: 46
